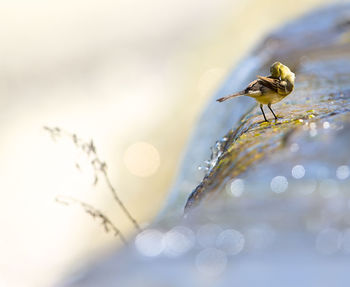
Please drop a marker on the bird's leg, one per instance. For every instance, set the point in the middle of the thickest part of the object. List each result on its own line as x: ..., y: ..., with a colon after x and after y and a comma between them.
x: 262, y: 110
x: 269, y: 105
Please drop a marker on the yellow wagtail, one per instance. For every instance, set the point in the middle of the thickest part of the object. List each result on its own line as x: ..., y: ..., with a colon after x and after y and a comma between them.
x: 269, y: 90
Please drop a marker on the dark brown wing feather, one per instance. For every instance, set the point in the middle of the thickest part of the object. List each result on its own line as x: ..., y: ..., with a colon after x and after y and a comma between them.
x: 276, y: 85
x: 261, y: 85
x: 255, y: 86
x: 271, y: 83
x: 251, y: 85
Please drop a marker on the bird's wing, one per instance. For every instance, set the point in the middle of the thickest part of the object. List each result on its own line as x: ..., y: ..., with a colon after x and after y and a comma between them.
x: 260, y: 87
x: 277, y: 85
x: 254, y: 87
x: 271, y: 83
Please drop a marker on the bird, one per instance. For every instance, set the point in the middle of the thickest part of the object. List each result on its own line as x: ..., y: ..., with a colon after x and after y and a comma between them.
x: 268, y: 90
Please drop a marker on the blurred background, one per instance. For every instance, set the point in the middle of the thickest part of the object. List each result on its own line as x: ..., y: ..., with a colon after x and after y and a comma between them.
x: 133, y: 76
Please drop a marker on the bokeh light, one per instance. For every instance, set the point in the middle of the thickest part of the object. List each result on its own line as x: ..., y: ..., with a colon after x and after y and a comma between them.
x: 294, y: 147
x: 343, y: 172
x: 298, y: 171
x: 279, y: 184
x: 313, y: 132
x: 237, y: 187
x: 326, y: 125
x: 142, y: 159
x: 230, y: 241
x: 150, y: 242
x: 178, y: 241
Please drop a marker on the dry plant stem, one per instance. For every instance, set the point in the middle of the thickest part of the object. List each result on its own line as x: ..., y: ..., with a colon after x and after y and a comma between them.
x: 121, y: 204
x: 95, y: 213
x: 99, y: 166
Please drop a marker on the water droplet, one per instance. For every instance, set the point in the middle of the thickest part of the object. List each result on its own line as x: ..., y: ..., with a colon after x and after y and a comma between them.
x: 279, y: 184
x: 231, y: 241
x: 150, y: 242
x: 211, y: 262
x: 343, y: 172
x: 298, y: 171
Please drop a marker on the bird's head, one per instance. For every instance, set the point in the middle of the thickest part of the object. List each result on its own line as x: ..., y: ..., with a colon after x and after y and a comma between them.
x: 278, y: 70
x: 275, y: 69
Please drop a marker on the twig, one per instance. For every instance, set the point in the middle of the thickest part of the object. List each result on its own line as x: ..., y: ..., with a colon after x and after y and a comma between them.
x: 94, y: 213
x: 121, y: 204
x: 99, y: 166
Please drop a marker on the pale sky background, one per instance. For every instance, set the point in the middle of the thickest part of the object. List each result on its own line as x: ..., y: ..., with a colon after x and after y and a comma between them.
x: 131, y: 74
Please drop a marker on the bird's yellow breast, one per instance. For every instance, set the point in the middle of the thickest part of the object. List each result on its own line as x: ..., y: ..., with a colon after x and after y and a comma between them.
x: 268, y: 98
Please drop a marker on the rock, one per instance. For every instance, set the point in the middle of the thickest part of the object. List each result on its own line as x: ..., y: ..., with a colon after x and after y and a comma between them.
x: 273, y: 208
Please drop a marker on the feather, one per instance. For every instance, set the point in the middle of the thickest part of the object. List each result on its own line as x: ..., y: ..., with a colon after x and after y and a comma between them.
x: 241, y: 93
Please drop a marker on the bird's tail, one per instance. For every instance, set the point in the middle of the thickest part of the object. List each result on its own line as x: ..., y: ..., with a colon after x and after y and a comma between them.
x: 241, y: 93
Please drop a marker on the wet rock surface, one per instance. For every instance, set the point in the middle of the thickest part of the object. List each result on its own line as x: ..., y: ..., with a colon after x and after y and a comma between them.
x: 272, y: 205
x: 313, y: 113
